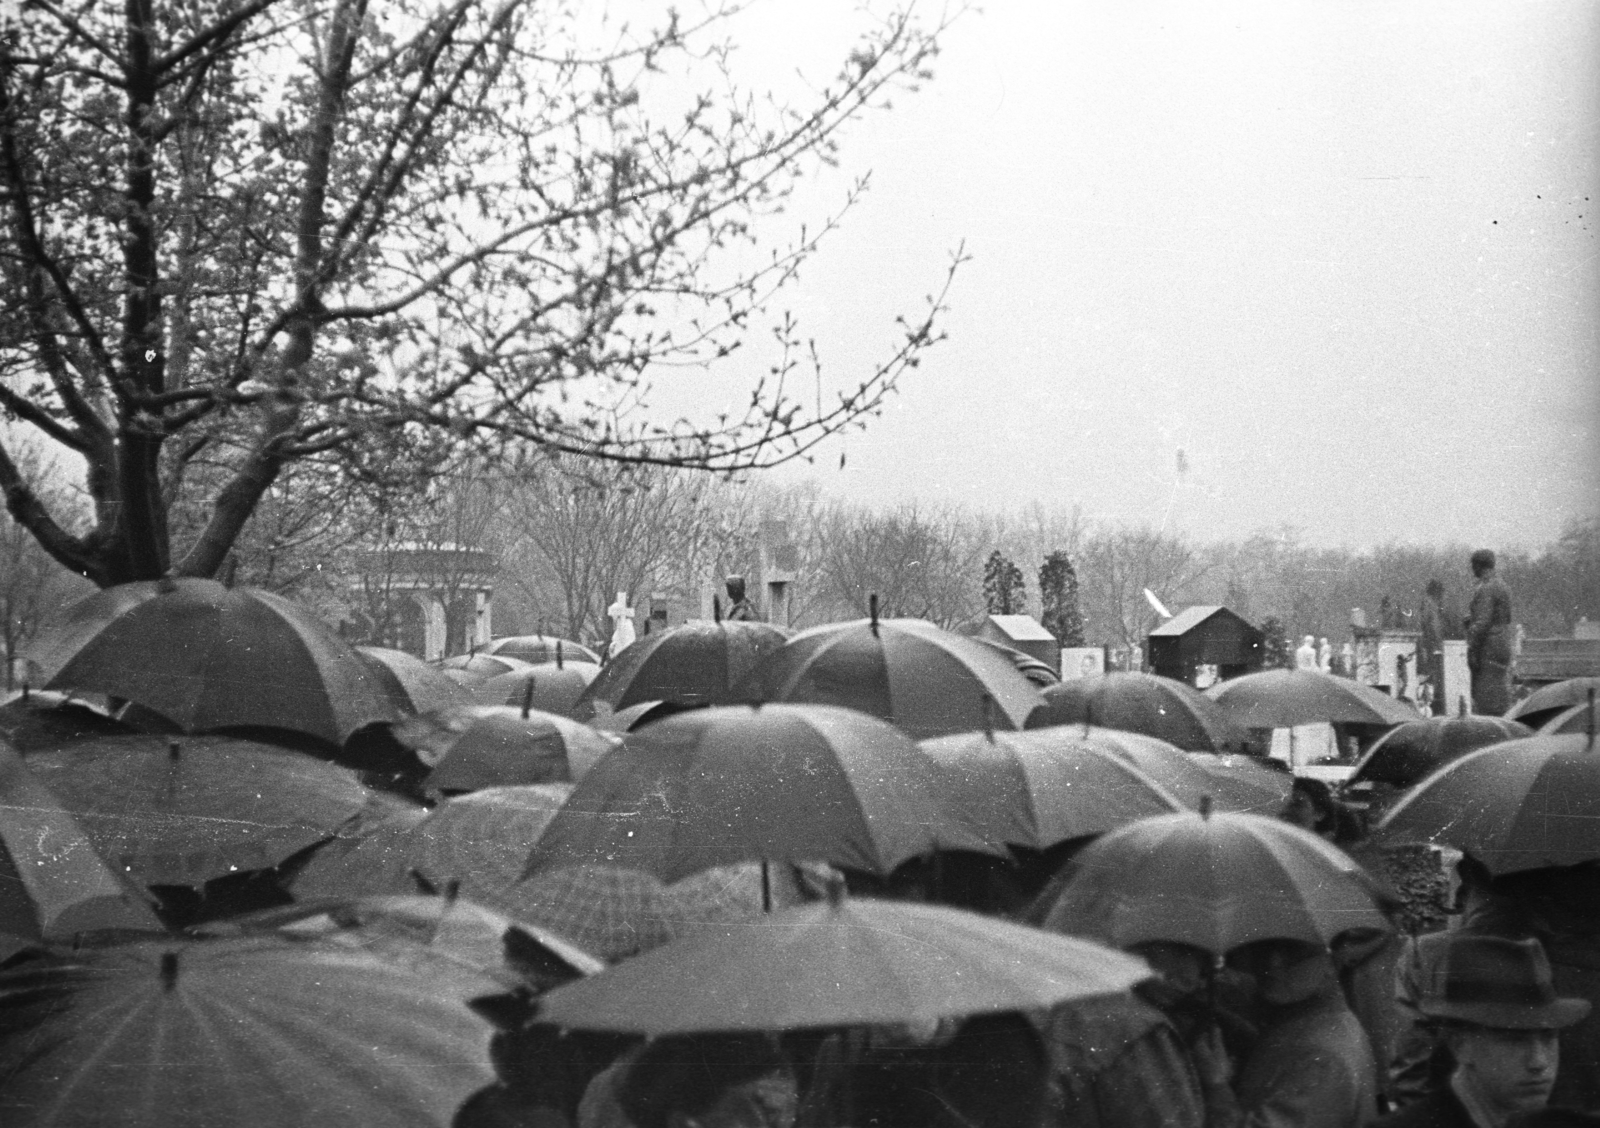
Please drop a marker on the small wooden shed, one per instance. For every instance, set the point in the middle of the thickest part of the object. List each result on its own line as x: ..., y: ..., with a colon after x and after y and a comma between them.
x: 1204, y: 636
x: 1020, y: 632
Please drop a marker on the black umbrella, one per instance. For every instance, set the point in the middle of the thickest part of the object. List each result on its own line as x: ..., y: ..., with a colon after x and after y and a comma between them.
x: 1540, y: 706
x: 695, y: 664
x: 537, y: 649
x: 1137, y: 702
x: 1405, y: 754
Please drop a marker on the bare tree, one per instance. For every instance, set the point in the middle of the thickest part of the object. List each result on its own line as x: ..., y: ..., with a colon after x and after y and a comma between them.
x: 34, y: 589
x: 921, y: 564
x: 1116, y: 565
x: 258, y: 231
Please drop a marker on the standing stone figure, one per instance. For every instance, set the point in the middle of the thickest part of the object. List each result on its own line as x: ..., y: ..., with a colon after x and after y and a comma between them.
x: 740, y: 609
x: 1489, y: 638
x: 1430, y: 646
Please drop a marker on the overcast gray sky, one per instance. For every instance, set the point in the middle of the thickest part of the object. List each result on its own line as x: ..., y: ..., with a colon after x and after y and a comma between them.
x: 1340, y: 254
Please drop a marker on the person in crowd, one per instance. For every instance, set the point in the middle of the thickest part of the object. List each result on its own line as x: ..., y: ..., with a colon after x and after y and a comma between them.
x: 1557, y: 906
x: 1305, y: 655
x: 1430, y: 646
x: 1155, y: 1058
x: 1488, y: 626
x: 695, y: 1081
x: 1312, y: 1066
x: 1498, y: 1014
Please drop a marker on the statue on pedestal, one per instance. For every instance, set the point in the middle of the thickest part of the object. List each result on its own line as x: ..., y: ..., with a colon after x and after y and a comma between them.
x: 622, y: 632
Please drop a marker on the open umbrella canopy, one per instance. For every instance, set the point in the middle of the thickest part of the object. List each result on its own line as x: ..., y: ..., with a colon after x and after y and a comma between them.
x: 926, y: 681
x: 54, y: 886
x: 730, y: 784
x: 1405, y: 754
x: 480, y: 841
x: 1213, y: 881
x: 538, y: 649
x: 445, y: 927
x: 180, y: 811
x: 547, y: 687
x: 495, y: 746
x: 1244, y: 783
x: 1518, y: 805
x: 692, y: 664
x: 470, y: 669
x: 617, y: 912
x: 206, y: 657
x: 1145, y: 703
x: 1285, y: 698
x: 1036, y: 789
x: 48, y: 719
x: 259, y: 1031
x: 841, y: 963
x: 411, y: 684
x: 1545, y: 702
x: 1583, y: 718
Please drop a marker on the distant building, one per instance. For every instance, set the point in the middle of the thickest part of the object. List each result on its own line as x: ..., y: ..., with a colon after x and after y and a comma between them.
x: 1020, y: 632
x: 1206, y: 636
x: 431, y: 600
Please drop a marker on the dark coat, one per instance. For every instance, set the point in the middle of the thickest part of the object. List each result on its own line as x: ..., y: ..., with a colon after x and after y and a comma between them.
x: 1439, y: 1109
x: 1489, y: 647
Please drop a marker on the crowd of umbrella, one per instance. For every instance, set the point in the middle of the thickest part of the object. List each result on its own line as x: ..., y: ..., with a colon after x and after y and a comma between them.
x: 252, y: 874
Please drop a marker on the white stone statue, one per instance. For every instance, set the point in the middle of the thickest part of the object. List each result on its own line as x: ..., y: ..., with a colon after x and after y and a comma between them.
x: 1305, y: 658
x: 1324, y: 655
x: 622, y: 632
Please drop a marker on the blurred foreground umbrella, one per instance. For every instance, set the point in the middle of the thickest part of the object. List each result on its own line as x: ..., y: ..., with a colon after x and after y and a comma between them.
x: 1036, y: 789
x: 1214, y: 881
x: 693, y: 664
x: 47, y: 719
x: 1545, y: 702
x: 617, y: 912
x: 480, y: 841
x: 445, y: 927
x: 495, y: 746
x: 182, y: 811
x: 1145, y: 703
x: 255, y: 1032
x: 537, y: 649
x: 924, y: 680
x: 548, y: 687
x: 1518, y: 805
x: 412, y: 685
x: 731, y: 784
x: 1405, y: 754
x: 841, y: 963
x: 1285, y: 698
x: 54, y: 886
x: 206, y: 656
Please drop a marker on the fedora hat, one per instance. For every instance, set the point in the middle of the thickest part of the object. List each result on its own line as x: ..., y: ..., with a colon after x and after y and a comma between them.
x: 1504, y: 984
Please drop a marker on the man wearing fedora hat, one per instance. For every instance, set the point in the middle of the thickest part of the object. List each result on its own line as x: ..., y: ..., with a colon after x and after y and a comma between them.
x: 1498, y: 1012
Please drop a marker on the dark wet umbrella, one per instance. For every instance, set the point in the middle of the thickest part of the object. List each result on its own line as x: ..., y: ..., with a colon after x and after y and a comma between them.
x: 730, y: 784
x: 693, y: 664
x: 471, y: 669
x: 496, y: 746
x: 1518, y: 805
x: 1245, y: 783
x: 549, y: 688
x: 1146, y: 703
x: 206, y: 657
x: 1214, y: 881
x: 1545, y: 702
x: 1578, y: 719
x: 48, y: 719
x: 1285, y: 698
x: 259, y: 1031
x: 537, y: 649
x: 411, y: 684
x: 479, y: 841
x: 444, y: 927
x: 927, y: 681
x: 842, y: 963
x: 54, y: 885
x: 617, y: 912
x: 1405, y: 754
x: 180, y: 811
x: 1036, y: 789
x: 1039, y: 673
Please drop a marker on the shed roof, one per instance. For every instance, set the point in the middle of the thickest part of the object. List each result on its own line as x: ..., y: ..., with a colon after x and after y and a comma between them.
x: 1188, y: 619
x: 1023, y: 628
